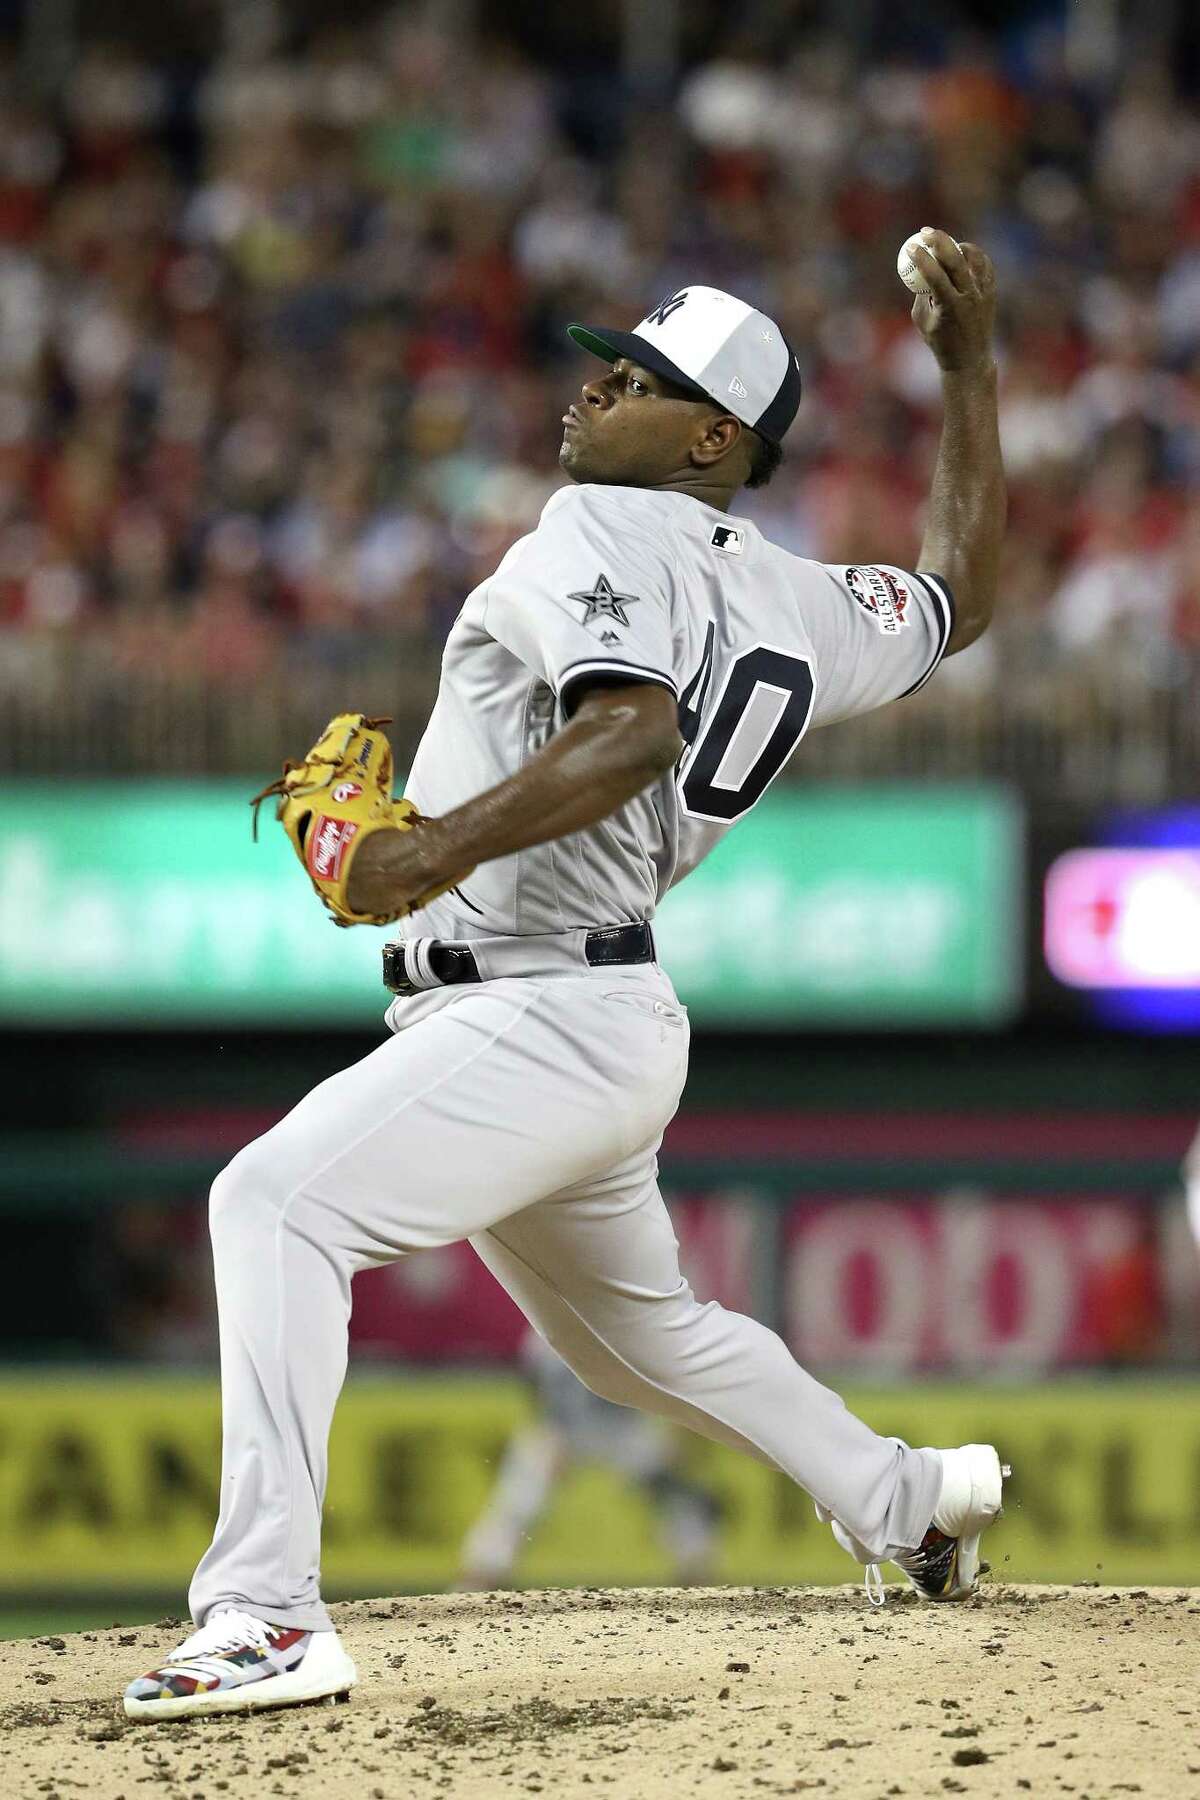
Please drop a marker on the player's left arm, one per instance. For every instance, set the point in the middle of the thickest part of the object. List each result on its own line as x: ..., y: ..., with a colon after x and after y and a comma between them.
x: 968, y: 501
x: 619, y: 740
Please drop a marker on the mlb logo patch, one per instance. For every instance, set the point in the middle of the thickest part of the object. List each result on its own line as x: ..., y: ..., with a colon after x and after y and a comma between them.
x: 728, y: 538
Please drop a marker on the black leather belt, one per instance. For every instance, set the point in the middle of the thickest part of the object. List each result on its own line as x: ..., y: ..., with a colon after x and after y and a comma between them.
x: 455, y: 963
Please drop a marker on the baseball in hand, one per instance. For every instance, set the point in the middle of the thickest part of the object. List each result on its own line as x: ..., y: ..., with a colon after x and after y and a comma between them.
x: 906, y: 268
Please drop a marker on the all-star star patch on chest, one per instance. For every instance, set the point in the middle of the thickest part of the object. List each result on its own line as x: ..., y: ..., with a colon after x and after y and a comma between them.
x: 603, y: 603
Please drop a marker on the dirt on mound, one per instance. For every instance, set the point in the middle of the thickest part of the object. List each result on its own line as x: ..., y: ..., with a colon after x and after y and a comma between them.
x: 648, y: 1695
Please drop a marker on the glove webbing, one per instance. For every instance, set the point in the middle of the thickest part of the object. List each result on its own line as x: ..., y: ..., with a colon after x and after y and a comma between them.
x: 279, y: 787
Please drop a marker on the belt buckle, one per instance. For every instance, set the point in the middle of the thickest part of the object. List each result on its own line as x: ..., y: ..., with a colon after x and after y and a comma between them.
x: 608, y: 945
x: 394, y: 977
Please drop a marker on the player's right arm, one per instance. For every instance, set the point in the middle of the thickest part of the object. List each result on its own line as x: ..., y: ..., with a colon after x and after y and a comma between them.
x: 968, y: 502
x: 618, y: 742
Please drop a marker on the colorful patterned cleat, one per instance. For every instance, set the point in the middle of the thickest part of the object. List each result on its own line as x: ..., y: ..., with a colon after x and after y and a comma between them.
x: 237, y: 1663
x: 935, y: 1568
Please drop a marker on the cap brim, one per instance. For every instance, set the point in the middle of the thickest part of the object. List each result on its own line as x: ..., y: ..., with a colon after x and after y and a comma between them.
x: 609, y: 345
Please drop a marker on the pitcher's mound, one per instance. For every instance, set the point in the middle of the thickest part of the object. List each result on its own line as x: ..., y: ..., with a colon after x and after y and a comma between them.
x: 650, y: 1695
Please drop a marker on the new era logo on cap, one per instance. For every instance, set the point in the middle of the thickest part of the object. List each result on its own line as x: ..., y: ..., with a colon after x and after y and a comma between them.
x: 717, y: 346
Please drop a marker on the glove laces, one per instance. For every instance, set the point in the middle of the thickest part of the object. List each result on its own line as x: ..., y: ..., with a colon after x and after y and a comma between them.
x: 284, y: 789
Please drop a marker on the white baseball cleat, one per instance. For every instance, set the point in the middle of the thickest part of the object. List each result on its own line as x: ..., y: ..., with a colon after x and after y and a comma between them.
x: 945, y: 1564
x: 237, y: 1663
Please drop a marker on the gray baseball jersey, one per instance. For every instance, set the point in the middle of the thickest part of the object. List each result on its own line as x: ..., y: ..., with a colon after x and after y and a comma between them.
x: 628, y: 584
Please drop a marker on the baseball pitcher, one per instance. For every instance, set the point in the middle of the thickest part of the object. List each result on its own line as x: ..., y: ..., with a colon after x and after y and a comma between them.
x: 613, y: 700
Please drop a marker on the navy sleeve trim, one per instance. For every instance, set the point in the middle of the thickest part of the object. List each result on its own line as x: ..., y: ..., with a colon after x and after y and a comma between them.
x: 943, y: 587
x: 941, y: 601
x: 581, y: 674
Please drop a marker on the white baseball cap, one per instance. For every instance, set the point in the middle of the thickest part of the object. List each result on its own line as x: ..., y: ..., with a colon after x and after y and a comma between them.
x: 717, y: 347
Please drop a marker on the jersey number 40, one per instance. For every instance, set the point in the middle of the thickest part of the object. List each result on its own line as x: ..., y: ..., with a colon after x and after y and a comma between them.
x: 736, y: 748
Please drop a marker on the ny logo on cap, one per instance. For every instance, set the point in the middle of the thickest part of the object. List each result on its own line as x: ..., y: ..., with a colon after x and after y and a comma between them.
x: 665, y: 308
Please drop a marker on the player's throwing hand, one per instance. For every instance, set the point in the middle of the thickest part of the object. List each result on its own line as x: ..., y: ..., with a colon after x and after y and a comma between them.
x: 958, y: 314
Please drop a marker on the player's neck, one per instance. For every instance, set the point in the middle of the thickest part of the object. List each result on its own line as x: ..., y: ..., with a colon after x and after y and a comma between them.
x: 709, y: 493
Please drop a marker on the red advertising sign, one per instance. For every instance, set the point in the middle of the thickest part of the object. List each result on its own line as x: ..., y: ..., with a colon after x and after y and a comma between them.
x: 972, y: 1283
x: 964, y: 1282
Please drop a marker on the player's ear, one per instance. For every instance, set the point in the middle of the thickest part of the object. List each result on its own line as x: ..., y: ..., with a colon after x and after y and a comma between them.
x: 721, y: 435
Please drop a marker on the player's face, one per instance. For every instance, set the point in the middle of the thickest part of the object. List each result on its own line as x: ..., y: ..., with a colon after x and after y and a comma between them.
x: 631, y: 428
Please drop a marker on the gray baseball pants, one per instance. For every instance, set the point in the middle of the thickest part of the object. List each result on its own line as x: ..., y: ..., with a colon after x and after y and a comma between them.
x: 524, y: 1114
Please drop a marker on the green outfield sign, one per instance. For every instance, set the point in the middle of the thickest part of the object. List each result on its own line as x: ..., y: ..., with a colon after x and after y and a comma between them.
x: 147, y: 903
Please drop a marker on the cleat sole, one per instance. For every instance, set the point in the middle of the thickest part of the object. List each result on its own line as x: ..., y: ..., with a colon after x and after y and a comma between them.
x: 232, y: 1701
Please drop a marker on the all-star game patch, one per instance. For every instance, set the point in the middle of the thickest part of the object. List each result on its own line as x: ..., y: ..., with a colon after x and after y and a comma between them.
x: 601, y: 601
x: 882, y: 595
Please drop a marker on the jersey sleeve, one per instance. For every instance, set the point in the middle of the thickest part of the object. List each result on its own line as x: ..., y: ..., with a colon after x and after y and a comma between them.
x: 585, y: 598
x: 878, y: 632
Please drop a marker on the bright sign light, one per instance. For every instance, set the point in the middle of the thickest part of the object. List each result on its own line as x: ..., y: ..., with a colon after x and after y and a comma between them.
x: 1124, y: 918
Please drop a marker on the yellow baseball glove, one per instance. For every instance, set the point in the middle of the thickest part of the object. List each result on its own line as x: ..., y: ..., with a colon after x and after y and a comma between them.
x: 330, y: 803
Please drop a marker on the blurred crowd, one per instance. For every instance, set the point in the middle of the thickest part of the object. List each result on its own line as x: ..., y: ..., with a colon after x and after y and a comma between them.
x: 282, y: 354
